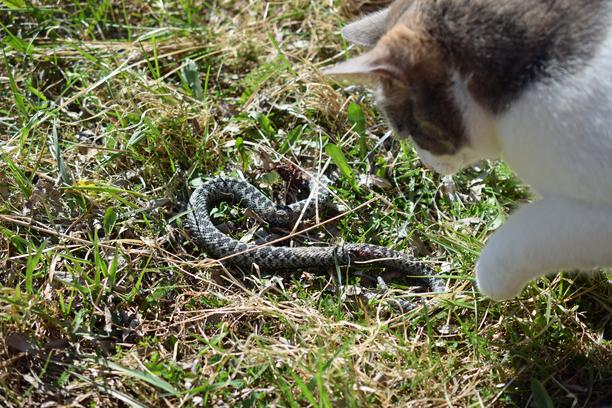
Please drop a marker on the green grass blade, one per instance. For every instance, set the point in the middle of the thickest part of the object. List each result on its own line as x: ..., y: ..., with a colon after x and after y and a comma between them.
x: 109, y: 220
x: 282, y: 55
x: 17, y: 95
x: 357, y: 119
x: 191, y: 76
x: 102, y: 188
x: 105, y: 388
x: 23, y: 182
x: 147, y: 377
x: 57, y: 154
x: 14, y: 4
x: 306, y: 393
x: 291, y: 139
x: 112, y: 270
x: 16, y: 43
x: 31, y: 265
x: 335, y: 153
x: 541, y: 398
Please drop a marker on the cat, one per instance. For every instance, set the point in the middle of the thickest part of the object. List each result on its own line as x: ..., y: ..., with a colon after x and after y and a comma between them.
x: 525, y: 81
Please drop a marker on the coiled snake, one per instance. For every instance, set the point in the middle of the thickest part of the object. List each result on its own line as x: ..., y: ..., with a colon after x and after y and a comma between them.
x: 219, y: 245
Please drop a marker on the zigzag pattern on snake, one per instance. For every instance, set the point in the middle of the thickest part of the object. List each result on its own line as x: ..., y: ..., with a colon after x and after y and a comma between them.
x: 220, y: 245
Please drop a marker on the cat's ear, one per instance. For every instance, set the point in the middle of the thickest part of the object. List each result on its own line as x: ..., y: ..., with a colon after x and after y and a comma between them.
x: 368, y: 30
x: 403, y: 55
x: 366, y: 68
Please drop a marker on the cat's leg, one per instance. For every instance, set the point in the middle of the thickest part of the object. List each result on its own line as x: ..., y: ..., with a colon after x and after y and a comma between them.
x: 549, y: 235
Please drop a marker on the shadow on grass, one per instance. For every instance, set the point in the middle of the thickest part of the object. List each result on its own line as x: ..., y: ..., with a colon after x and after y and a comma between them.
x: 565, y: 359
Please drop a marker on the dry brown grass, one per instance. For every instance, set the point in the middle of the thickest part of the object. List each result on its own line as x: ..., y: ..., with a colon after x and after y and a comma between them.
x: 119, y: 308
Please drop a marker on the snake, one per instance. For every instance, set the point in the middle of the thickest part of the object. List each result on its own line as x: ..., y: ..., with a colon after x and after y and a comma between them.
x: 221, y: 246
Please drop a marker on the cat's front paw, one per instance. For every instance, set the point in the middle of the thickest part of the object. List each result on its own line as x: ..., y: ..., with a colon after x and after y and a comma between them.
x: 496, y: 280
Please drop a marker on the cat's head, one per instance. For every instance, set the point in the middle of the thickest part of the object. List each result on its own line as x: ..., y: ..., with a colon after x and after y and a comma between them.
x: 418, y: 89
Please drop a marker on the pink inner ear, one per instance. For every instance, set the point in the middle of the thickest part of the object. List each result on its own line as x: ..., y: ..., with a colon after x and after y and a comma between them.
x: 371, y: 65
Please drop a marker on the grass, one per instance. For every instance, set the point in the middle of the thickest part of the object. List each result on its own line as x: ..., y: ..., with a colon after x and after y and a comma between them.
x: 110, y: 114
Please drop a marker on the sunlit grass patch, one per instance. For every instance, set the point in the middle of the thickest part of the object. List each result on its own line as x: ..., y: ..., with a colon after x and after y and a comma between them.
x: 111, y: 113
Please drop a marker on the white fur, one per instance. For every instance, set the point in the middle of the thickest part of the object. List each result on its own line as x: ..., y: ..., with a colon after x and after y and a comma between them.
x: 552, y: 234
x: 558, y: 139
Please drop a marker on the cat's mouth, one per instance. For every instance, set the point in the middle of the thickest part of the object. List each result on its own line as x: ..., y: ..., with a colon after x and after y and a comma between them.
x: 444, y: 165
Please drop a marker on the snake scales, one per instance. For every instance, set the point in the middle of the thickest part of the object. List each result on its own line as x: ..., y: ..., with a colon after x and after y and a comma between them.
x: 219, y: 245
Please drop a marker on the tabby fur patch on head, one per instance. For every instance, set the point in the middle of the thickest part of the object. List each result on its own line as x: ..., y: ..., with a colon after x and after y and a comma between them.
x: 445, y: 69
